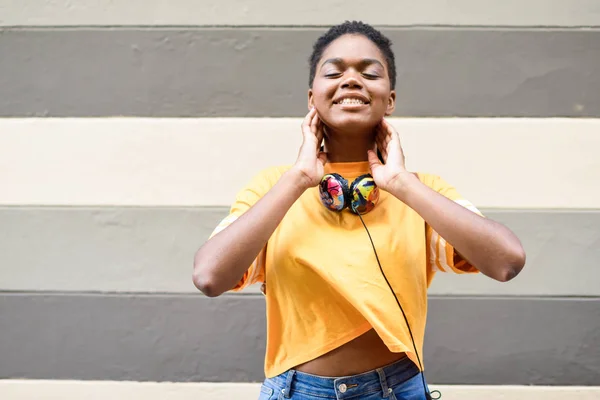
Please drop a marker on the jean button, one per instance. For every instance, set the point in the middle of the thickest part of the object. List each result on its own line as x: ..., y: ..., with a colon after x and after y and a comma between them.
x: 343, y: 388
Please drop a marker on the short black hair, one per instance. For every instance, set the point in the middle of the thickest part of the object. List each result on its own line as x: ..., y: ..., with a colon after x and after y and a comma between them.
x: 353, y: 28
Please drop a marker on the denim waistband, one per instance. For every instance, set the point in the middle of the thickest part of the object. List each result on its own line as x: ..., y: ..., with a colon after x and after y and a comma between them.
x: 378, y: 380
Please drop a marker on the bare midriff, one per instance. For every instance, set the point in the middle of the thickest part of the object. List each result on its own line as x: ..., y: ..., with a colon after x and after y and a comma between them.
x: 365, y: 353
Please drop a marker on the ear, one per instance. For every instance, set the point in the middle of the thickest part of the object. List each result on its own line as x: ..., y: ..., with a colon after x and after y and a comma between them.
x: 311, y: 101
x: 391, y: 103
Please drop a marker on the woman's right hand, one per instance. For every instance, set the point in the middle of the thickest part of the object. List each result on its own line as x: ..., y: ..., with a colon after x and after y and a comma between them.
x: 311, y: 161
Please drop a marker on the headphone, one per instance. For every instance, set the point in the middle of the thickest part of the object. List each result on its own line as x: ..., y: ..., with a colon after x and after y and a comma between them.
x: 360, y: 197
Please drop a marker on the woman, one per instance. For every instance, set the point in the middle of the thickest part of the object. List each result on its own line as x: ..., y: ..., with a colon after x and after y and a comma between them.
x: 346, y: 264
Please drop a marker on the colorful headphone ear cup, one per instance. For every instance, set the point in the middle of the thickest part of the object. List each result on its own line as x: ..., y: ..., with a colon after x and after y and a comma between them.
x: 365, y: 194
x: 333, y: 190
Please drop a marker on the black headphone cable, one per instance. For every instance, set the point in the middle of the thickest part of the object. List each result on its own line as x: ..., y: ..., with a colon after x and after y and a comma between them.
x: 427, y: 394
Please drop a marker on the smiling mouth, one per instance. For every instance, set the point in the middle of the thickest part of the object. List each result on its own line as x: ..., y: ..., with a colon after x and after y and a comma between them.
x: 350, y: 101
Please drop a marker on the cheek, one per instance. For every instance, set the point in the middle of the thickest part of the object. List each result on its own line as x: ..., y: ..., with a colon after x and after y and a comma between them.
x: 382, y: 94
x: 322, y: 91
x: 322, y: 101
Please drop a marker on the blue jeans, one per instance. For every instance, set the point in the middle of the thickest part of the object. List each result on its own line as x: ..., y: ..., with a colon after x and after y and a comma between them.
x: 401, y: 380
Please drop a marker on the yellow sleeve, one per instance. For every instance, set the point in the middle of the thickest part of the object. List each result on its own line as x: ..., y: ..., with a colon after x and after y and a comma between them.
x: 441, y: 255
x: 246, y: 198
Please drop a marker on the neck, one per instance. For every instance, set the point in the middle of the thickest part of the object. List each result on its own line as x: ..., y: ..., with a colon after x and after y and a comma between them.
x: 348, y: 147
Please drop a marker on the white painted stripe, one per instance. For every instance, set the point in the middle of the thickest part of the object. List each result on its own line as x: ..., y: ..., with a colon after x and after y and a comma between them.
x: 518, y: 163
x: 308, y: 12
x: 101, y: 390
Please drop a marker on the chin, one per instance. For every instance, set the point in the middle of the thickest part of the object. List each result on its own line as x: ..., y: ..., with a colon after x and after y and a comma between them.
x: 352, y: 122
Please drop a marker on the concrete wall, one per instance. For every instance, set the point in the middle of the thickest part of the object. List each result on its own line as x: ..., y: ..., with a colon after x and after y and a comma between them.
x: 113, y: 115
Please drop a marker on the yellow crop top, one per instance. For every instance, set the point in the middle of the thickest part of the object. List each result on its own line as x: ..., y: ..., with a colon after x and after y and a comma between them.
x: 323, y: 285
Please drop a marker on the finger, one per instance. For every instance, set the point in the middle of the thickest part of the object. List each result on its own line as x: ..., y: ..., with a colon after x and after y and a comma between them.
x: 374, y: 161
x: 387, y: 135
x: 387, y: 129
x: 393, y: 133
x: 384, y: 154
x: 381, y: 132
x: 386, y: 142
x: 308, y: 119
x: 313, y: 133
x: 382, y: 143
x: 382, y: 149
x: 394, y: 139
x: 320, y: 132
x: 314, y: 122
x: 382, y: 137
x: 323, y: 157
x: 325, y: 131
x: 386, y: 125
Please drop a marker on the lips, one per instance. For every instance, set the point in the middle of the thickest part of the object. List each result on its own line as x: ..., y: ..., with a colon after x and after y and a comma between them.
x: 351, y: 99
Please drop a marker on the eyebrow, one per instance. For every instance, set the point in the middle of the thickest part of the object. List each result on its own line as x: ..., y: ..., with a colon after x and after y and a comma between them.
x: 364, y: 62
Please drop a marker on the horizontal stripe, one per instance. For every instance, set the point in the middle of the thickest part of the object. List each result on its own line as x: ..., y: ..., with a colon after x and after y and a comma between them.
x: 206, y: 72
x: 272, y: 12
x: 151, y: 250
x: 102, y: 390
x: 194, y: 338
x: 563, y: 249
x: 509, y: 163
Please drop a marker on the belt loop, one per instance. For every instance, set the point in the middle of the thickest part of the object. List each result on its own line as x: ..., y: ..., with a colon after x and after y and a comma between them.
x: 383, y: 382
x: 288, y: 384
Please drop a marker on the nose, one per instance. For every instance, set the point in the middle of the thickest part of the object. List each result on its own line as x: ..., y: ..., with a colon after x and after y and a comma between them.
x: 352, y: 81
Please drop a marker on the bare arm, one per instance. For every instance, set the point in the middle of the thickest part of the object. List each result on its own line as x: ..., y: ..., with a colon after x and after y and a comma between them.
x: 488, y: 245
x: 221, y: 262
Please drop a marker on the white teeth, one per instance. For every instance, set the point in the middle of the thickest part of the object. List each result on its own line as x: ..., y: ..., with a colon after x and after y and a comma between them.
x: 351, y: 101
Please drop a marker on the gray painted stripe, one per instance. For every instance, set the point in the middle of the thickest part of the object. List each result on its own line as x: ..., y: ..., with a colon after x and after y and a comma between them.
x: 157, y: 338
x: 192, y: 338
x: 263, y: 72
x: 275, y: 12
x: 151, y: 250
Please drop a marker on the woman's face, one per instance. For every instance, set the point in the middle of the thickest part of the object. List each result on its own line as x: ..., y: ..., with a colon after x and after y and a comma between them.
x: 351, y: 88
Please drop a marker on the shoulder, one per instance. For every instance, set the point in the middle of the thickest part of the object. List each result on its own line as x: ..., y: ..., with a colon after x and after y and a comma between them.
x: 263, y: 180
x: 271, y: 174
x: 257, y: 186
x: 439, y: 184
x: 429, y: 179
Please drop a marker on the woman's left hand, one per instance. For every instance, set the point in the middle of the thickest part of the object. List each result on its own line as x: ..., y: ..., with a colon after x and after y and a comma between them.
x: 392, y: 174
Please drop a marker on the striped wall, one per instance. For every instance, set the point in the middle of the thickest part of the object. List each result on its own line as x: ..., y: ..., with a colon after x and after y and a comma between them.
x: 126, y: 127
